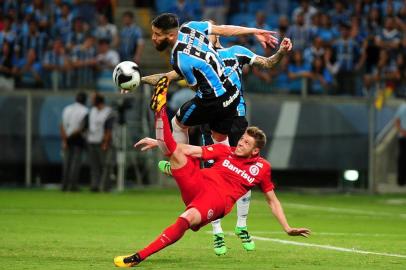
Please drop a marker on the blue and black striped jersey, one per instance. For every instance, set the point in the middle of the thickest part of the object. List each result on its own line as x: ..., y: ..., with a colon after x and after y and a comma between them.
x: 194, y: 58
x: 235, y: 58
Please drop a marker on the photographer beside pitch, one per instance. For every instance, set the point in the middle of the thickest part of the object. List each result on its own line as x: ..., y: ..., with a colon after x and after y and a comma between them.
x: 209, y: 193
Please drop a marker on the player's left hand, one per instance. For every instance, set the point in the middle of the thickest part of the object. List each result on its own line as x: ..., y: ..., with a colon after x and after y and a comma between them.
x: 267, y: 38
x: 286, y: 45
x: 146, y: 143
x: 298, y: 231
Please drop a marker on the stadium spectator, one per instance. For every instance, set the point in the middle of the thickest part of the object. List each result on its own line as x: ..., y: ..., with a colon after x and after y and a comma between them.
x: 32, y: 40
x: 185, y: 11
x: 321, y: 79
x: 86, y: 9
x: 6, y: 67
x: 215, y: 10
x: 28, y: 71
x: 83, y: 59
x: 131, y: 40
x: 298, y: 73
x: 389, y: 38
x: 347, y: 55
x: 72, y: 129
x: 56, y: 65
x: 388, y: 74
x: 307, y: 10
x: 277, y: 7
x: 106, y: 31
x: 373, y: 23
x: 300, y: 33
x: 370, y: 57
x: 78, y: 35
x: 315, y: 51
x: 280, y: 78
x: 400, y: 123
x: 260, y: 23
x: 339, y: 14
x: 99, y: 140
x: 326, y: 31
x: 37, y: 9
x: 283, y: 26
x: 107, y: 58
x: 7, y: 34
x: 63, y: 26
x: 105, y: 7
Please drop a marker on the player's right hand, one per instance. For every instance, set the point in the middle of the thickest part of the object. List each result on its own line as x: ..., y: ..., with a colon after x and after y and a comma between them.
x: 146, y: 143
x: 286, y: 45
x: 298, y: 231
x: 267, y: 38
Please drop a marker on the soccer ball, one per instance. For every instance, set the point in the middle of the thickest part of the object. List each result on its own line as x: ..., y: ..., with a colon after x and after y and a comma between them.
x: 126, y: 75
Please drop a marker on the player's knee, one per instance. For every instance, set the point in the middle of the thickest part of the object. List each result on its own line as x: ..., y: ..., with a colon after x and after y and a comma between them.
x: 218, y: 136
x: 193, y: 216
x: 176, y: 125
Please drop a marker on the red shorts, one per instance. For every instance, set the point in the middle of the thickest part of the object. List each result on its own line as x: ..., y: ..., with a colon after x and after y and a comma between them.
x: 199, y: 193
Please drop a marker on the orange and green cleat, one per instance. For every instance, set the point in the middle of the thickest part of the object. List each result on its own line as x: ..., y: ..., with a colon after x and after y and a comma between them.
x: 127, y: 261
x: 158, y: 99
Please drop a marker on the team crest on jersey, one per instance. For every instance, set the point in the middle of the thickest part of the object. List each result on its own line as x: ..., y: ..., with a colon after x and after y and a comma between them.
x: 254, y: 170
x: 210, y: 213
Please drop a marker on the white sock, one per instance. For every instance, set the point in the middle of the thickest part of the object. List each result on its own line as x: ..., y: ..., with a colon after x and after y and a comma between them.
x: 180, y: 135
x: 225, y: 142
x: 243, y: 205
x: 217, y: 226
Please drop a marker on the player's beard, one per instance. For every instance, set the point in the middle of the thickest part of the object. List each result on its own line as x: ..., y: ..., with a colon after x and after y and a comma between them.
x: 163, y: 45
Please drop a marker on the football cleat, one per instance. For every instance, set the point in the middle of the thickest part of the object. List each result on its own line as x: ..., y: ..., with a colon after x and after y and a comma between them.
x: 127, y: 260
x: 219, y: 244
x: 165, y: 167
x: 247, y: 243
x: 158, y: 99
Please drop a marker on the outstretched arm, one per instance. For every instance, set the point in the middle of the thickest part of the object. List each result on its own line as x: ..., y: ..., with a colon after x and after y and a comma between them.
x: 270, y: 62
x: 154, y: 78
x: 189, y: 150
x: 265, y: 37
x: 277, y: 211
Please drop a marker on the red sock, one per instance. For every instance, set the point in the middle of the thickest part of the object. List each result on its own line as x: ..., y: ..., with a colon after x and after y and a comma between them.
x: 163, y: 133
x: 169, y: 236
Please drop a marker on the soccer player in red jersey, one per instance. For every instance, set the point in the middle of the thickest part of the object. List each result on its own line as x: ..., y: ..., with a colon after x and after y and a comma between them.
x: 208, y: 193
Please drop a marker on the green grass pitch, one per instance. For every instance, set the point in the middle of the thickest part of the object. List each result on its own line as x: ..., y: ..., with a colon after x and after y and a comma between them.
x: 53, y: 230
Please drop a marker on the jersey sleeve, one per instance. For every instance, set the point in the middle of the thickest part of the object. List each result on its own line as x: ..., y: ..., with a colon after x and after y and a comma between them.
x: 244, y: 55
x: 203, y: 27
x: 215, y: 151
x: 266, y: 183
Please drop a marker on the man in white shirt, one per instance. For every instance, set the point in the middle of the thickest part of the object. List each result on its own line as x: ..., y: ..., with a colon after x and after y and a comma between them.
x: 99, y: 137
x: 73, y: 141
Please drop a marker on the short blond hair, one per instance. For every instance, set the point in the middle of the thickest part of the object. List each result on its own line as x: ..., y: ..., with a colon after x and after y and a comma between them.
x: 258, y: 135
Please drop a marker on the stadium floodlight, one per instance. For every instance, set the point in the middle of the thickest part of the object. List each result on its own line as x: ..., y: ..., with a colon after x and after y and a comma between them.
x: 351, y: 175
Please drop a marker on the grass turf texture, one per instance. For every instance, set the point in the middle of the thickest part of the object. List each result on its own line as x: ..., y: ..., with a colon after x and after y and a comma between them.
x: 54, y: 230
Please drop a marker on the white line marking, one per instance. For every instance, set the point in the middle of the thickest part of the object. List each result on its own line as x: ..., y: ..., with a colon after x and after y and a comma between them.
x: 352, y: 250
x: 285, y: 130
x: 334, y: 234
x: 341, y: 249
x: 343, y: 210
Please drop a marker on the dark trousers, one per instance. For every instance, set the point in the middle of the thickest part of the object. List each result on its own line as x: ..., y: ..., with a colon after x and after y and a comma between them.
x: 100, y: 163
x: 346, y: 83
x: 402, y: 162
x: 72, y: 160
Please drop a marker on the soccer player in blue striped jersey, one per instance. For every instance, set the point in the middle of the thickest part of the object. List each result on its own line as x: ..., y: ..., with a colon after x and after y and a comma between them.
x: 194, y: 58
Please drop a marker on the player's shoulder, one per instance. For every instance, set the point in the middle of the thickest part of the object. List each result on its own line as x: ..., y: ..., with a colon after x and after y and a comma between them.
x: 197, y: 25
x: 263, y: 163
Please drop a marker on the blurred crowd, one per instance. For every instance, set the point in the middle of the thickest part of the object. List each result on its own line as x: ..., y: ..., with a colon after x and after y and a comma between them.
x: 64, y: 44
x: 340, y: 47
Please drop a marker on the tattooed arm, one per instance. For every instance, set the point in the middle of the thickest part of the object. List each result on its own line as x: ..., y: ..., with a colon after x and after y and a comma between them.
x: 154, y: 78
x: 270, y: 62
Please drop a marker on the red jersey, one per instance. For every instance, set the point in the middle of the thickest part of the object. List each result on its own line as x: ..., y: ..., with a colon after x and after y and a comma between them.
x: 233, y: 176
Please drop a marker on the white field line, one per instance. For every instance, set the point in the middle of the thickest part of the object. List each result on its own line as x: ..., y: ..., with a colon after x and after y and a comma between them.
x: 328, y: 247
x: 72, y: 211
x: 343, y: 210
x: 333, y: 234
x: 340, y: 249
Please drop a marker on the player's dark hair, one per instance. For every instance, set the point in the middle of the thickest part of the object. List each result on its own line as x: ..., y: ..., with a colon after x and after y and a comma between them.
x: 81, y: 98
x: 166, y: 21
x: 258, y: 135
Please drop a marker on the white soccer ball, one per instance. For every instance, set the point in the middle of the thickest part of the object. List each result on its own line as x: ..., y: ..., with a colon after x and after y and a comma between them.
x: 126, y: 75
